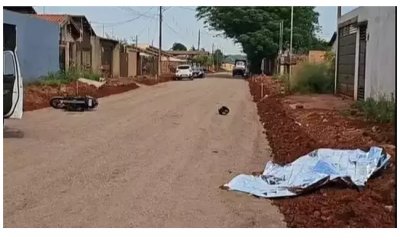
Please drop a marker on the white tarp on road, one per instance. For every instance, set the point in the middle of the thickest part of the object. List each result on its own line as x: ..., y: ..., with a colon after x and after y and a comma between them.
x: 312, y: 170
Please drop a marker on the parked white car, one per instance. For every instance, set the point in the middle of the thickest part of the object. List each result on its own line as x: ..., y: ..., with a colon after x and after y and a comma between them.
x: 184, y: 72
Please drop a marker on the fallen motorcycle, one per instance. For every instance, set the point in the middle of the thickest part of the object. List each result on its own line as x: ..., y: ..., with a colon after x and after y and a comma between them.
x: 74, y: 103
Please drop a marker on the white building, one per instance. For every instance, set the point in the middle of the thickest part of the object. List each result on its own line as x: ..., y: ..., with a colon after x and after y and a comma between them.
x: 366, y: 53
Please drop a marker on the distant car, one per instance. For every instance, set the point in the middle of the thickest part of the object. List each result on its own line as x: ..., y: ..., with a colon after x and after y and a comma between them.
x: 198, y: 72
x: 240, y: 68
x: 184, y: 72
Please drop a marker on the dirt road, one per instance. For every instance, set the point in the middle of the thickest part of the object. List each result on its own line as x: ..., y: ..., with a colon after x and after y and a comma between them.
x: 152, y: 157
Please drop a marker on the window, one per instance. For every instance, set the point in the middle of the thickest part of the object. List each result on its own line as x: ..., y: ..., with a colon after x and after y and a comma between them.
x: 8, y: 64
x: 348, y: 30
x: 183, y: 67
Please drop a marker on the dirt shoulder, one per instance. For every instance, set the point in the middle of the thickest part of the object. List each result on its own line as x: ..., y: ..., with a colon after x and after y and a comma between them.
x: 37, y: 96
x: 296, y: 125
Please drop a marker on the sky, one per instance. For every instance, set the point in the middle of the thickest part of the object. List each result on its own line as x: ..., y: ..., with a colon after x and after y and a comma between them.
x: 179, y: 25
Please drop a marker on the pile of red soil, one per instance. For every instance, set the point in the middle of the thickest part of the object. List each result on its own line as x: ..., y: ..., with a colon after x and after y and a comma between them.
x: 295, y: 132
x: 38, y: 96
x: 153, y: 80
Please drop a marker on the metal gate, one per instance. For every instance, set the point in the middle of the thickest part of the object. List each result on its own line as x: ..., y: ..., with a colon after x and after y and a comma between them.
x: 123, y: 64
x: 346, y: 59
x: 106, y: 59
x: 361, y: 62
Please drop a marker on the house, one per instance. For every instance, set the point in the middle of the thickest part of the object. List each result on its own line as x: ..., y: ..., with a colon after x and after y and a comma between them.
x: 21, y: 9
x: 75, y: 40
x: 37, y: 43
x: 332, y: 42
x: 170, y: 63
x: 128, y: 61
x: 187, y: 55
x: 148, y: 61
x: 366, y: 55
x: 105, y: 56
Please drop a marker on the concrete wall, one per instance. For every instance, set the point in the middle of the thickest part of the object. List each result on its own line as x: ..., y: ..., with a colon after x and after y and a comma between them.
x: 115, y: 63
x: 37, y: 45
x: 132, y: 63
x: 380, y: 52
x: 96, y: 54
x: 316, y: 56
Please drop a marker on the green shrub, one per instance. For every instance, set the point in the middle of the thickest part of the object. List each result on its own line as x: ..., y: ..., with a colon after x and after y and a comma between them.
x: 65, y: 77
x: 90, y: 75
x: 382, y: 110
x: 313, y: 78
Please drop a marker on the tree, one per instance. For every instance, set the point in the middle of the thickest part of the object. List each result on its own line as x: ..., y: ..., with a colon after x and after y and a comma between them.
x: 257, y: 28
x: 192, y: 48
x: 218, y: 58
x: 178, y: 47
x: 319, y: 44
x: 201, y: 59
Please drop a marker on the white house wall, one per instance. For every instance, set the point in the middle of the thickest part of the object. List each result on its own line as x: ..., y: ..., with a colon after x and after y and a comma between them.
x: 380, y: 51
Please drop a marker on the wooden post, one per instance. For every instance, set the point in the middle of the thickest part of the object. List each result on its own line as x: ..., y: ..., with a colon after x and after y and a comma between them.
x: 262, y: 90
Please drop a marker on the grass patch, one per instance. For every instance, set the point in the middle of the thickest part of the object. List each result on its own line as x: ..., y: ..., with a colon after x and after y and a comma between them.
x: 313, y: 78
x: 65, y: 77
x: 381, y: 110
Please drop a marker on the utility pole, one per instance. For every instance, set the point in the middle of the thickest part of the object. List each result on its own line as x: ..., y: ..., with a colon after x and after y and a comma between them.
x: 198, y: 42
x: 159, y: 44
x: 212, y: 55
x: 280, y: 67
x: 136, y: 40
x: 103, y: 29
x: 339, y: 14
x: 216, y: 60
x: 290, y: 49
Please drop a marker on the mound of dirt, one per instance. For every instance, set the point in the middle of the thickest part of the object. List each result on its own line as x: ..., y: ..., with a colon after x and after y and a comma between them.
x: 293, y: 132
x: 38, y: 96
x: 152, y: 80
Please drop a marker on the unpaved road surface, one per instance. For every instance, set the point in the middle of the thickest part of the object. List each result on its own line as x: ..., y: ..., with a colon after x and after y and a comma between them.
x: 152, y: 157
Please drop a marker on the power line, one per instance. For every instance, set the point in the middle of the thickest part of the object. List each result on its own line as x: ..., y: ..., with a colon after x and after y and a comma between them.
x: 112, y: 24
x: 186, y: 8
x: 144, y: 14
x: 173, y: 30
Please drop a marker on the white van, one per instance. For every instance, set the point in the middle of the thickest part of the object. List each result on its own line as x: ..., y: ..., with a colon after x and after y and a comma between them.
x: 12, y: 80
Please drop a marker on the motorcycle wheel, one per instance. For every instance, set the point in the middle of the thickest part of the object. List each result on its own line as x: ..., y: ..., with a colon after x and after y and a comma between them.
x: 56, y: 102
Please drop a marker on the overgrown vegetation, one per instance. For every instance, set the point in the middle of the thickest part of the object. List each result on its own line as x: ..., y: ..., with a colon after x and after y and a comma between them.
x: 257, y: 28
x: 313, y: 78
x: 282, y: 78
x: 65, y: 77
x: 381, y: 110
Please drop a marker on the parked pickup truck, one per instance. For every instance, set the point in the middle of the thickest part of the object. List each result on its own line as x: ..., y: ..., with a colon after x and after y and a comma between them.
x: 12, y: 80
x: 240, y: 68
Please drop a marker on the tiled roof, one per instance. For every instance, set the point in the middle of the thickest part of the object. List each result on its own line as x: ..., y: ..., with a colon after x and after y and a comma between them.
x: 53, y: 18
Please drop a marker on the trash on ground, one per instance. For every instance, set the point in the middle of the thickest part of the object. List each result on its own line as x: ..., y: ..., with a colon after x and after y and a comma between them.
x: 311, y: 171
x: 223, y: 110
x: 92, y: 82
x: 74, y: 103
